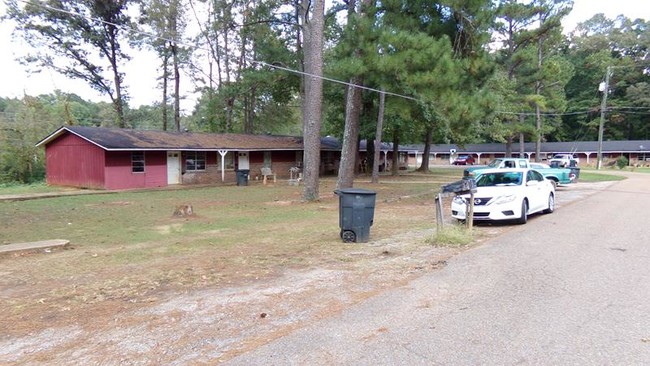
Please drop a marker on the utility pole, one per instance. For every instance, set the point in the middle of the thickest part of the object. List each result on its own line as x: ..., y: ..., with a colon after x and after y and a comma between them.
x: 601, y: 127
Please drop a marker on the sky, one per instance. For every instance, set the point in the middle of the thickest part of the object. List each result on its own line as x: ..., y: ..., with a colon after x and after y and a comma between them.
x: 17, y: 81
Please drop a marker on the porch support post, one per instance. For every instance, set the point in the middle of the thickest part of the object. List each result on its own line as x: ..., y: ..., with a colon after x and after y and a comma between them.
x: 223, y: 164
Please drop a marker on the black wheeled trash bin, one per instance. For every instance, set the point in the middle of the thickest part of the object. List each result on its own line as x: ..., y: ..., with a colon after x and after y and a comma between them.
x: 242, y: 177
x: 575, y: 171
x: 356, y: 213
x: 575, y: 174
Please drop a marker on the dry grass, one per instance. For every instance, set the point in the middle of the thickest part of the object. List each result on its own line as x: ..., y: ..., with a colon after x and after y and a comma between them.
x: 128, y: 247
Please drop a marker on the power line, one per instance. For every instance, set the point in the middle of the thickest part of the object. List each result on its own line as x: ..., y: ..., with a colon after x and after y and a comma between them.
x: 302, y: 73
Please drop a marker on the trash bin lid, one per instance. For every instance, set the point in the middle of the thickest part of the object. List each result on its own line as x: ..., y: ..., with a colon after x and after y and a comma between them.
x: 354, y: 191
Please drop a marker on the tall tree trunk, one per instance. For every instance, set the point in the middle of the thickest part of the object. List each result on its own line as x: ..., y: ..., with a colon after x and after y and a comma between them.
x: 509, y: 140
x: 350, y: 147
x: 395, y: 158
x: 427, y: 150
x: 177, y: 89
x: 349, y: 153
x: 165, y: 79
x: 118, y: 101
x: 314, y: 27
x: 538, y: 133
x: 229, y: 100
x: 538, y: 91
x: 249, y: 111
x: 380, y: 127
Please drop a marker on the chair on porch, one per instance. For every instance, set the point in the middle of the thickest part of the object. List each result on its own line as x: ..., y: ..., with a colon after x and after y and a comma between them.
x: 266, y: 172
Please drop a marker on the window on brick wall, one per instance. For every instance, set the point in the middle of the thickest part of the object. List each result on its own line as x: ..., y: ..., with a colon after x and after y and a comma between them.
x: 195, y: 161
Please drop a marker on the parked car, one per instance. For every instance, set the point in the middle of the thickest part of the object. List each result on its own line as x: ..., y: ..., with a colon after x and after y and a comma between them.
x: 507, y: 194
x: 556, y: 175
x: 500, y: 163
x: 539, y: 165
x: 564, y: 160
x: 559, y: 176
x: 464, y: 160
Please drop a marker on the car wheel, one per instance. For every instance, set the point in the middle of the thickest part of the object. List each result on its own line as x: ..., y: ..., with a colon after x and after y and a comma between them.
x: 524, y: 212
x: 551, y: 204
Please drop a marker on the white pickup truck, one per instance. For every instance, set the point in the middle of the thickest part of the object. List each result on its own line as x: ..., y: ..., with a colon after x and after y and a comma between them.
x: 563, y: 160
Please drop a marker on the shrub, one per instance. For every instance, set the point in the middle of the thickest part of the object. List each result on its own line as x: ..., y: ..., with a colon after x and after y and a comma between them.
x: 621, y: 162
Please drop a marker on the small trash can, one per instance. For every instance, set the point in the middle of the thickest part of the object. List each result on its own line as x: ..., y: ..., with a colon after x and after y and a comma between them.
x: 356, y: 213
x: 242, y: 177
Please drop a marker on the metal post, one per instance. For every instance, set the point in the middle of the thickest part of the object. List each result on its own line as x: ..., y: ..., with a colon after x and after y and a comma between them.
x: 601, y: 126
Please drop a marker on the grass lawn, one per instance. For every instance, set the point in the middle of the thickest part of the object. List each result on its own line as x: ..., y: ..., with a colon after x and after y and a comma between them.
x: 129, y: 250
x: 607, y: 174
x: 126, y: 245
x: 596, y: 176
x: 9, y: 189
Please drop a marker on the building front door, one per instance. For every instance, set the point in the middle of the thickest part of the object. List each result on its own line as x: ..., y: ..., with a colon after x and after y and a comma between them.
x: 242, y: 160
x: 173, y: 167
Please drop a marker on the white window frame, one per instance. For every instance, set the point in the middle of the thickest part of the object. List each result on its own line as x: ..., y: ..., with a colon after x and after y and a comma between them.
x: 138, y: 165
x: 196, y: 157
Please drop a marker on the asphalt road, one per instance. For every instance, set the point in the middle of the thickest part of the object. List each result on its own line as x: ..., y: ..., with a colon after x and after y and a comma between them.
x: 570, y: 288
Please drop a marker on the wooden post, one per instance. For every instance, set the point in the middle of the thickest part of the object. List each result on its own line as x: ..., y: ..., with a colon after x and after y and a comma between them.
x: 439, y: 219
x: 469, y: 217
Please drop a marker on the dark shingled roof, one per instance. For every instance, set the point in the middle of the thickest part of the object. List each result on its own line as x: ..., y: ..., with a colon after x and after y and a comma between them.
x: 126, y: 139
x: 630, y: 146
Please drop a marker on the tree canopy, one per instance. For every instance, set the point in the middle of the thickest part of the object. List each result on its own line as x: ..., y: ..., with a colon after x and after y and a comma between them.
x: 452, y: 71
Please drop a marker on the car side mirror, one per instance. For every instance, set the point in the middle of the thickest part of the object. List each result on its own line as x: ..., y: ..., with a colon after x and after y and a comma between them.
x: 531, y: 183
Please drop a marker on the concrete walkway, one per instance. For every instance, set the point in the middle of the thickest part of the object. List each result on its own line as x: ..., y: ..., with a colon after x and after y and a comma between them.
x: 36, y: 245
x: 32, y: 196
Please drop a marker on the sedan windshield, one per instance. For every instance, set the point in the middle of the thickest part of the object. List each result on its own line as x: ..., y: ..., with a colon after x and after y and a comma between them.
x: 499, y: 179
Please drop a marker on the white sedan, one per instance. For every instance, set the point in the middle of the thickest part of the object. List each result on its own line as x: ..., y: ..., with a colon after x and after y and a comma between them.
x: 507, y: 194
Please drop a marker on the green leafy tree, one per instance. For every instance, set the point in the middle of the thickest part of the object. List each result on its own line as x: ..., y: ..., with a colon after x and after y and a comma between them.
x: 514, y: 37
x: 164, y: 21
x: 552, y: 72
x: 79, y: 39
x: 22, y: 124
x: 621, y: 45
x: 429, y: 59
x: 530, y: 57
x: 246, y: 88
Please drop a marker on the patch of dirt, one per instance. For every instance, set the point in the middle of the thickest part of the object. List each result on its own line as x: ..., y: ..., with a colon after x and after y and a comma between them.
x: 206, y: 311
x: 207, y: 324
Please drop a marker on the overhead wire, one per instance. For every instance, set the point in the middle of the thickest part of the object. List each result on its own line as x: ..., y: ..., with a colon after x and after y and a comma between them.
x: 302, y: 73
x: 286, y: 69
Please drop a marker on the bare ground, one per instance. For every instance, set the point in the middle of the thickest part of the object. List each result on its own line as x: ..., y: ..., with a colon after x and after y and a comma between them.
x: 208, y: 321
